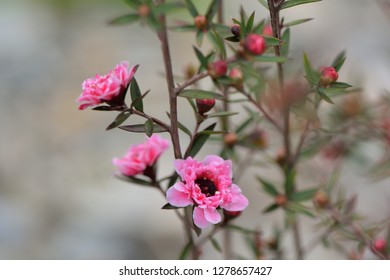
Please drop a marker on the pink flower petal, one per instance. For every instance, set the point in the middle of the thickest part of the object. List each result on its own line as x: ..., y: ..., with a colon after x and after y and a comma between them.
x: 238, y: 201
x: 138, y: 157
x: 212, y: 215
x: 199, y: 218
x: 178, y: 196
x: 106, y: 88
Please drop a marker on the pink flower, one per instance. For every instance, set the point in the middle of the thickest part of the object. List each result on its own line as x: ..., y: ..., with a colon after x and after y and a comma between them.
x: 141, y: 156
x: 380, y: 244
x: 255, y: 44
x: 208, y: 186
x: 110, y: 88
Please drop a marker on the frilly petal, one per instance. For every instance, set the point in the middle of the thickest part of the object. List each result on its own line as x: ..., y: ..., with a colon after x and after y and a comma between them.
x: 212, y: 215
x: 178, y: 196
x: 199, y: 218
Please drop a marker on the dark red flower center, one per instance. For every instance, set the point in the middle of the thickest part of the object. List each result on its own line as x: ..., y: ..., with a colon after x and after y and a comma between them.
x: 206, y: 186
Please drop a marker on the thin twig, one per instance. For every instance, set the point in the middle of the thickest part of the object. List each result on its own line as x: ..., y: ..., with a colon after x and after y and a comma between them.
x: 174, y: 130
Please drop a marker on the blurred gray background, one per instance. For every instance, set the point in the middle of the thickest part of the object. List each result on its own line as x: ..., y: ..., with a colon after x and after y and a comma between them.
x: 58, y: 196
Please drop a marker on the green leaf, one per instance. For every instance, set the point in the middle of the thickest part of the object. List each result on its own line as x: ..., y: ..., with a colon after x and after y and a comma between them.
x: 149, y: 127
x: 259, y: 27
x: 184, y: 28
x: 292, y: 3
x: 168, y: 206
x: 200, y: 140
x: 185, y: 251
x: 221, y: 114
x: 271, y: 41
x: 268, y: 187
x: 249, y: 23
x: 125, y: 19
x: 263, y: 58
x: 241, y: 229
x: 133, y: 3
x: 167, y: 8
x: 202, y: 59
x: 286, y: 42
x: 303, y: 195
x: 271, y: 208
x: 290, y: 182
x: 103, y: 108
x: 300, y: 209
x: 218, y: 43
x: 212, y: 132
x: 215, y: 244
x: 200, y: 94
x: 296, y: 22
x: 135, y: 94
x: 311, y: 75
x: 322, y: 94
x: 232, y: 39
x: 138, y: 99
x: 191, y: 8
x: 340, y: 85
x: 133, y: 180
x: 212, y: 10
x: 140, y: 128
x: 339, y: 61
x: 199, y: 37
x: 119, y: 119
x: 264, y: 3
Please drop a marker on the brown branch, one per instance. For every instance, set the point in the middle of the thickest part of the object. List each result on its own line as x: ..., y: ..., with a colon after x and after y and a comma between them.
x: 174, y: 130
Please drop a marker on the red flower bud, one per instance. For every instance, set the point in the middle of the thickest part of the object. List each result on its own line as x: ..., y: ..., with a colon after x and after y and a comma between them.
x: 230, y: 139
x: 230, y: 215
x: 268, y: 30
x: 237, y: 78
x: 236, y: 30
x: 255, y: 44
x: 259, y: 138
x: 281, y: 200
x: 217, y: 69
x: 200, y: 22
x: 380, y: 244
x: 321, y: 199
x: 328, y: 75
x: 204, y: 105
x: 143, y: 10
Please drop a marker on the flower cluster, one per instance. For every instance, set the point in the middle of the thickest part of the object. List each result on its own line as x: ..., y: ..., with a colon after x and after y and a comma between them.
x: 208, y: 186
x: 110, y: 88
x: 141, y: 156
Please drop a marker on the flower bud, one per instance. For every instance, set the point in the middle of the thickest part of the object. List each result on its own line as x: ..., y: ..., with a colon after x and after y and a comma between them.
x: 272, y: 243
x: 255, y: 44
x: 236, y: 30
x: 204, y: 105
x: 268, y: 30
x: 321, y: 199
x: 217, y: 69
x: 143, y: 10
x: 380, y: 244
x: 230, y: 215
x: 189, y: 71
x: 281, y: 157
x: 230, y: 139
x: 281, y: 200
x: 237, y: 78
x: 200, y: 22
x: 328, y: 76
x: 259, y: 138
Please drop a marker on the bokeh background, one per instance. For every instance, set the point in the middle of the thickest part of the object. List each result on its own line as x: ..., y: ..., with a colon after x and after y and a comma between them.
x: 58, y: 196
